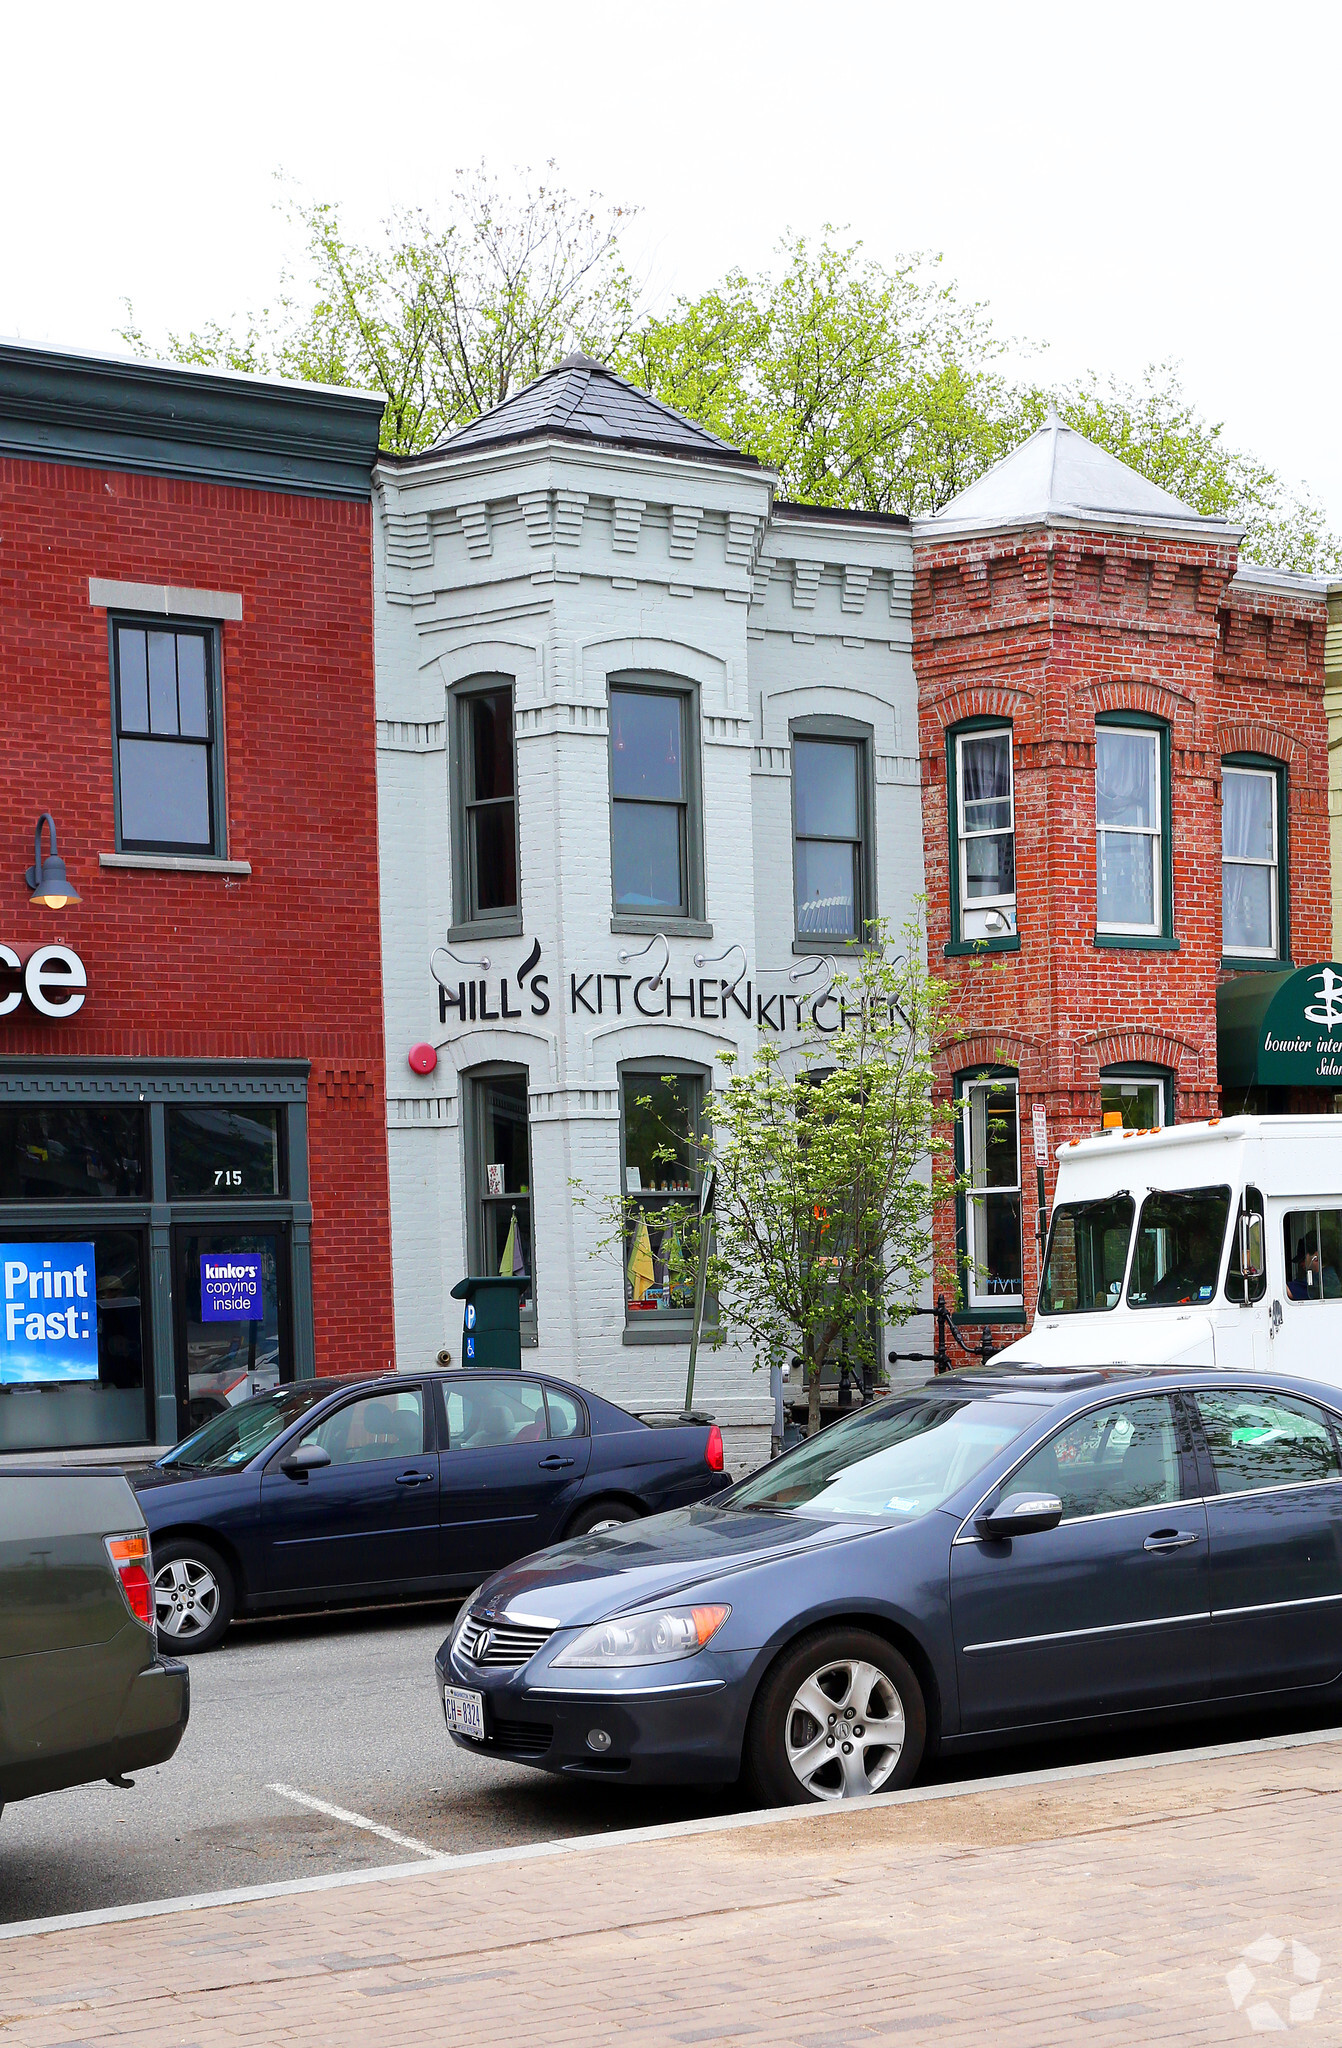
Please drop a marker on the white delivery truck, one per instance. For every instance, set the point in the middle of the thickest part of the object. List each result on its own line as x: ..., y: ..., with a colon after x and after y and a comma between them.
x: 1214, y: 1244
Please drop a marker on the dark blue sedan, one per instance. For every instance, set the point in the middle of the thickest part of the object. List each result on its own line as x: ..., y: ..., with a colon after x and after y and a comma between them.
x: 375, y: 1488
x: 1000, y: 1555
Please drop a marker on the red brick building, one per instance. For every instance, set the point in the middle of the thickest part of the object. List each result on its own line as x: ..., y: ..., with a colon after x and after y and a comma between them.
x: 191, y: 1083
x: 1124, y: 763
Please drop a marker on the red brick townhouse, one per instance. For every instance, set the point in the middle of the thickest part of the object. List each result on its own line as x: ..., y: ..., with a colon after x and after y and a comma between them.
x: 193, y: 1171
x: 1125, y: 777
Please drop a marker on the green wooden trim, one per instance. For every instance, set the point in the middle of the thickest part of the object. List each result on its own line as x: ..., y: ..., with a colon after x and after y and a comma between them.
x: 980, y: 1317
x: 1145, y: 1070
x: 1136, y: 942
x: 990, y: 1072
x: 1165, y: 941
x: 1282, y: 957
x: 1009, y: 943
x: 169, y: 420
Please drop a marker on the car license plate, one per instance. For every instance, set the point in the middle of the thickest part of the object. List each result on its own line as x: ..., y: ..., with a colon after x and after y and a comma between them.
x: 465, y: 1711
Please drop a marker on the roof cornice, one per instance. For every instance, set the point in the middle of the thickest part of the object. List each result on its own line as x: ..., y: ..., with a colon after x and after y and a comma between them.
x: 164, y: 419
x: 507, y: 459
x: 1203, y: 533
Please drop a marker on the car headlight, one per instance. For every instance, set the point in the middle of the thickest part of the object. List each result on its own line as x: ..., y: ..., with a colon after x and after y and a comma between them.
x: 464, y: 1614
x: 658, y: 1637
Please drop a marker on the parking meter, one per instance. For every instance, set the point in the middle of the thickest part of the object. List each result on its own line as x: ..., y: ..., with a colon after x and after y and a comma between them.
x: 491, y: 1325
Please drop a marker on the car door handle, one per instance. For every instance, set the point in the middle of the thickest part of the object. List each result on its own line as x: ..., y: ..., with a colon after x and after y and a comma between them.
x: 554, y: 1464
x: 413, y: 1478
x: 1170, y: 1539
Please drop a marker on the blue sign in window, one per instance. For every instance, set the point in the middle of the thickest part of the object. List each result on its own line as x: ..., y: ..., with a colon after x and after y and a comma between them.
x: 50, y: 1305
x: 230, y: 1287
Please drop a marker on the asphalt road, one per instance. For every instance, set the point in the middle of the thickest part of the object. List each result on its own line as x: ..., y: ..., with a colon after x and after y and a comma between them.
x: 343, y: 1710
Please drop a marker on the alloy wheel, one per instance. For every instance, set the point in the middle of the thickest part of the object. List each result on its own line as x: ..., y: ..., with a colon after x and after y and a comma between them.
x: 845, y: 1730
x: 186, y: 1598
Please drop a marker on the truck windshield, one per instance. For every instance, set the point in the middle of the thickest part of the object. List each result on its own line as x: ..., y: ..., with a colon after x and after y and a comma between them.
x: 1179, y: 1239
x: 1087, y: 1256
x: 237, y: 1435
x: 892, y: 1462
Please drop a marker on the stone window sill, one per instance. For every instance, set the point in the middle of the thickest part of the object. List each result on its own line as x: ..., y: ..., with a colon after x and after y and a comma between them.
x: 176, y: 863
x: 637, y: 1333
x: 652, y: 927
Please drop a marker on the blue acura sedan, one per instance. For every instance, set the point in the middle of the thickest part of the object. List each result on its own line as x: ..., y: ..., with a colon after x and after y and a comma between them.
x: 382, y: 1487
x: 1002, y: 1554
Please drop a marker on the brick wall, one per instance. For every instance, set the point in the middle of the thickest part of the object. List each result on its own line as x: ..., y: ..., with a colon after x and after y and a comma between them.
x: 284, y: 963
x: 1047, y: 629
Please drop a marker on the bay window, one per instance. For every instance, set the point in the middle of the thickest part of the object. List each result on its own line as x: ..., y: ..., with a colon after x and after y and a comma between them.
x: 1132, y: 853
x: 1252, y: 907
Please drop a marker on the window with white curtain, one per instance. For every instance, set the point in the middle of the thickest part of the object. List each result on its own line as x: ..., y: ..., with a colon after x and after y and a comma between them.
x: 1129, y: 870
x: 1250, y: 871
x: 986, y: 833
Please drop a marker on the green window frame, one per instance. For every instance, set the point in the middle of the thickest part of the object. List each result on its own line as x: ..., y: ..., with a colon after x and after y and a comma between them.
x: 687, y: 917
x: 1264, y: 765
x: 1145, y: 1075
x: 848, y: 733
x: 1117, y: 934
x: 988, y: 942
x: 671, y: 1324
x: 971, y: 1205
x: 162, y: 720
x: 490, y: 1214
x: 473, y: 811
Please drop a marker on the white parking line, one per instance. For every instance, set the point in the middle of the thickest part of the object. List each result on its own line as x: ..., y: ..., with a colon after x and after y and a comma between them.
x: 356, y: 1820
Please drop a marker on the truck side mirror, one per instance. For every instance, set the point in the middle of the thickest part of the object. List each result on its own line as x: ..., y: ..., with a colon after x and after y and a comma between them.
x: 1252, y: 1257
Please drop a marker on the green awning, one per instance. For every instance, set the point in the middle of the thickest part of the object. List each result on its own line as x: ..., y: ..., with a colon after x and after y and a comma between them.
x: 1281, y: 1030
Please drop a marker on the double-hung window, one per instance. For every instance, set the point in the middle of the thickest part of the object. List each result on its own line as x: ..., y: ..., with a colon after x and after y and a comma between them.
x: 169, y: 784
x: 832, y: 866
x: 486, y: 846
x: 990, y: 1160
x: 1131, y: 857
x: 985, y: 833
x: 1251, y: 907
x: 652, y: 774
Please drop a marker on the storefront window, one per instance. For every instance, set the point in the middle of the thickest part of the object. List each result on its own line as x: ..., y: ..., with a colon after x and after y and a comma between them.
x: 71, y: 1151
x: 165, y: 691
x: 57, y: 1387
x: 223, y: 1150
x: 1128, y: 811
x: 828, y: 863
x: 1137, y: 1100
x: 990, y: 1136
x: 649, y: 825
x: 232, y: 1300
x: 661, y: 1122
x: 499, y: 1168
x: 1250, y: 881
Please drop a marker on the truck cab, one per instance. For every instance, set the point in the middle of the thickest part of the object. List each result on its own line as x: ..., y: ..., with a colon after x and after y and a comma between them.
x: 1215, y: 1244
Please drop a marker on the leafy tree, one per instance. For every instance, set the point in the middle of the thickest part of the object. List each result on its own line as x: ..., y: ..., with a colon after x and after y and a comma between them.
x: 861, y: 386
x: 445, y: 320
x: 831, y: 1157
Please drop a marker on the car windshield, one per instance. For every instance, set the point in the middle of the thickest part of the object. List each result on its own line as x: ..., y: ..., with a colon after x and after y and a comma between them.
x: 1087, y: 1256
x: 1178, y: 1254
x: 897, y: 1460
x: 239, y: 1433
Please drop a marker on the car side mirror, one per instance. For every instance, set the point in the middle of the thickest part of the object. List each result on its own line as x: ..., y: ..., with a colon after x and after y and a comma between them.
x: 307, y: 1458
x: 1020, y: 1514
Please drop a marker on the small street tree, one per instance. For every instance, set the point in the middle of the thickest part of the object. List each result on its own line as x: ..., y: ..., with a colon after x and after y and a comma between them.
x: 830, y: 1159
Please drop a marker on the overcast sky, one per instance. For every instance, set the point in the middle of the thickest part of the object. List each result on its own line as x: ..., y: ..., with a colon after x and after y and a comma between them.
x: 1121, y: 183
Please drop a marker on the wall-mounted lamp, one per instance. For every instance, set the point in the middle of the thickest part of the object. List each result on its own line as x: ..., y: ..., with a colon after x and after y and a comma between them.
x: 625, y: 956
x: 51, y: 886
x: 711, y: 959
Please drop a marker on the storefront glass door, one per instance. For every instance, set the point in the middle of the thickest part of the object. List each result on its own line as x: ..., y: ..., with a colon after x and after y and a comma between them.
x: 231, y: 1291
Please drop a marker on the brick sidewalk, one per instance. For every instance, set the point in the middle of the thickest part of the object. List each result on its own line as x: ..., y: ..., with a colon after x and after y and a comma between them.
x: 1108, y: 1909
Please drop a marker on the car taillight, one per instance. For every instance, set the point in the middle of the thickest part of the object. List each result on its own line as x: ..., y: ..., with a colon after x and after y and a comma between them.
x: 130, y: 1562
x: 713, y: 1449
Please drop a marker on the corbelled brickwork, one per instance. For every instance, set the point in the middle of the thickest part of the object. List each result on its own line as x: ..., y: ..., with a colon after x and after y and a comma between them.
x: 1047, y: 627
x: 281, y: 963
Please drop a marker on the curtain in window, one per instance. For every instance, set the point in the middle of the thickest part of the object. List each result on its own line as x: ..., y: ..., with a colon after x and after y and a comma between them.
x: 1248, y: 862
x: 1125, y: 778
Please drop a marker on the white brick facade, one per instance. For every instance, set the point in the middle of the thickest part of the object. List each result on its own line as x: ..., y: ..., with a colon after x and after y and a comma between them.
x: 559, y: 566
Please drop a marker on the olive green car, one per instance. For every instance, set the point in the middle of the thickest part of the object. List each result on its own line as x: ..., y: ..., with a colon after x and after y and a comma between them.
x: 84, y: 1693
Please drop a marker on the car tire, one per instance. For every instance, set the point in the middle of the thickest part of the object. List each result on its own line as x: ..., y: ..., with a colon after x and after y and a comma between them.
x: 831, y: 1681
x: 194, y: 1596
x: 600, y: 1516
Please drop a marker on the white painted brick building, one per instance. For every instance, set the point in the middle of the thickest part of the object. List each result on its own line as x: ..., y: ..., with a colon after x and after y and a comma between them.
x: 582, y: 541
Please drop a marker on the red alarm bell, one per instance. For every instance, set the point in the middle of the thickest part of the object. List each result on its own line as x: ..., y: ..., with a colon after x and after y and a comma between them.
x: 423, y: 1059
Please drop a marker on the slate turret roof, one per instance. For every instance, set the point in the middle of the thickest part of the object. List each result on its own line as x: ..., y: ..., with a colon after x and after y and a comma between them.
x: 581, y: 399
x: 1058, y: 476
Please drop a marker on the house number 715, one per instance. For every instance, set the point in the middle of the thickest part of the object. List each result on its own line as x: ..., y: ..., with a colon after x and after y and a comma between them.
x: 228, y: 1176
